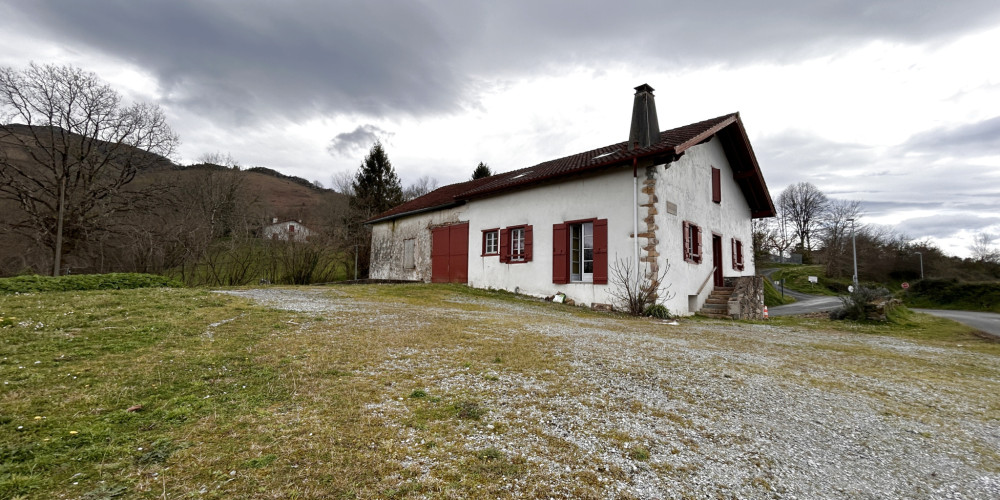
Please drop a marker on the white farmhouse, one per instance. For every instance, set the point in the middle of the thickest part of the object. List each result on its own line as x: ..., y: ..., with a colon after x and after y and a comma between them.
x: 676, y: 204
x: 285, y: 230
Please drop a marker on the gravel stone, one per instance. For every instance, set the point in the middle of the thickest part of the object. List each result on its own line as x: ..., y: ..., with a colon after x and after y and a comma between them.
x: 758, y: 421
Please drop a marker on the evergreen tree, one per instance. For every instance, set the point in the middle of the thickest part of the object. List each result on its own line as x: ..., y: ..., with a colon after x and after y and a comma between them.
x: 376, y: 186
x: 483, y: 170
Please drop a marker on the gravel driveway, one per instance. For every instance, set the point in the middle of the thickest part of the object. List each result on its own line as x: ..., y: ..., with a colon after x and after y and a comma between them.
x: 709, y: 409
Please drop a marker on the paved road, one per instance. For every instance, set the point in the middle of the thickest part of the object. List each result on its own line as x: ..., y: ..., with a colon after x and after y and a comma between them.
x: 987, y: 322
x: 804, y: 302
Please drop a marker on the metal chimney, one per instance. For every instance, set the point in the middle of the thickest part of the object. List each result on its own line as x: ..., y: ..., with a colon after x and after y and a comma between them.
x: 645, y: 129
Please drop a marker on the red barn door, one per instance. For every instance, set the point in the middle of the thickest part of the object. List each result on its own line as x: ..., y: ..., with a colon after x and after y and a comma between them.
x: 450, y: 254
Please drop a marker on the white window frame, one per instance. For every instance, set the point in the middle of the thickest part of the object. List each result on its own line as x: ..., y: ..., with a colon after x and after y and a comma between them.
x: 517, y: 244
x: 491, y: 242
x: 578, y: 253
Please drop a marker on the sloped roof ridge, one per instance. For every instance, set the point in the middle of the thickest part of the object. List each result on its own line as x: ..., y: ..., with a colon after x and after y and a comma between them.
x: 599, y: 157
x: 617, y: 153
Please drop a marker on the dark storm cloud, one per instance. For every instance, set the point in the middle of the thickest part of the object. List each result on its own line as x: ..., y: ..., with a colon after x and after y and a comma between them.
x: 359, y: 139
x: 259, y: 60
x: 256, y: 60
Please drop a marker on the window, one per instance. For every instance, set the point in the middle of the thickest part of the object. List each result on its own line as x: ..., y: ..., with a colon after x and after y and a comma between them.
x: 408, y: 262
x: 491, y: 242
x: 716, y: 185
x: 580, y: 252
x: 515, y: 244
x: 692, y: 243
x: 737, y: 254
x: 291, y: 228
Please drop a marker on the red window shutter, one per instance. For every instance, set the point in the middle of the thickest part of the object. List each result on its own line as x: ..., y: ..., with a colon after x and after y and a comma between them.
x: 716, y: 185
x: 600, y: 252
x: 504, y: 245
x: 687, y: 240
x: 527, y: 243
x: 560, y: 255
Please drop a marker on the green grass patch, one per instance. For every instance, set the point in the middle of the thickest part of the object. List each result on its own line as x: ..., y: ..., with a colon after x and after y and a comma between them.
x: 81, y: 282
x: 952, y: 294
x: 773, y: 296
x: 797, y: 278
x: 903, y: 323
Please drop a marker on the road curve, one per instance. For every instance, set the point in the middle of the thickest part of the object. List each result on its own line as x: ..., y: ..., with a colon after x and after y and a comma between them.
x: 984, y: 321
x: 804, y: 302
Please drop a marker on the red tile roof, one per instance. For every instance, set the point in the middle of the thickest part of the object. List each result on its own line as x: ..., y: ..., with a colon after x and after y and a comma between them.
x: 672, y: 143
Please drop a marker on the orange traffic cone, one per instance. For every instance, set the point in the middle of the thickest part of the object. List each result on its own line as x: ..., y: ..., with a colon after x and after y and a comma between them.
x: 765, y: 313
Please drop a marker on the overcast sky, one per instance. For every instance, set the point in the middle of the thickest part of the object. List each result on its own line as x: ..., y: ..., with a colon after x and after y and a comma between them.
x: 894, y: 103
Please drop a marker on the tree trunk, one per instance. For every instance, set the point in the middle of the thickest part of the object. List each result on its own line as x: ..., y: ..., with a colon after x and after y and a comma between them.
x: 57, y: 254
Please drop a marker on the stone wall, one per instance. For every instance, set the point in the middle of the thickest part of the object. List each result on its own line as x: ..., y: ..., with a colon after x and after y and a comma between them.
x: 747, y: 301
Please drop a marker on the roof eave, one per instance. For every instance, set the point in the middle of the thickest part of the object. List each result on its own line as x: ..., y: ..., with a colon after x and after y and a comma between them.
x: 414, y: 212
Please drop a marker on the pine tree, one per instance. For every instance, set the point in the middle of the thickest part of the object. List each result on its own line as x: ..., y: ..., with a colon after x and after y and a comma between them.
x: 376, y: 186
x: 483, y: 170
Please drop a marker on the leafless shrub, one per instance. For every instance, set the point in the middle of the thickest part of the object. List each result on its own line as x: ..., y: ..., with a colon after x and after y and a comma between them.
x: 633, y: 293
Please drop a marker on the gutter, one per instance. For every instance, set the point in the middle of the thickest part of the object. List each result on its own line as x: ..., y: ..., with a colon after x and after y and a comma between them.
x: 414, y: 212
x: 635, y: 219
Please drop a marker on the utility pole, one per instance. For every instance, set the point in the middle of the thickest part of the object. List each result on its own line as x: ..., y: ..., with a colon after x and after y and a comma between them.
x: 854, y: 248
x: 921, y: 255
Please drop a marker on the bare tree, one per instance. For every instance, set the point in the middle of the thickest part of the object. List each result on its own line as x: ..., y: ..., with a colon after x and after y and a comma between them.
x: 219, y: 158
x: 835, y: 228
x: 802, y: 205
x: 420, y: 187
x: 343, y: 182
x: 776, y: 235
x: 72, y: 144
x: 982, y: 248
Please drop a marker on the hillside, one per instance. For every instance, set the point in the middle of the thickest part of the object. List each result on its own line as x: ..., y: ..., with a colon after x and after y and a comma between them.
x: 278, y: 195
x: 149, y: 223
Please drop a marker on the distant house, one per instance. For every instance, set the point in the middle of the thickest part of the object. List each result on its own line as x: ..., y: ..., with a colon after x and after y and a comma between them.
x: 676, y: 203
x: 287, y: 230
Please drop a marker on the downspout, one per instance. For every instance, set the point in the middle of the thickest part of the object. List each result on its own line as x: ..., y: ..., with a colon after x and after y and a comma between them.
x: 635, y: 218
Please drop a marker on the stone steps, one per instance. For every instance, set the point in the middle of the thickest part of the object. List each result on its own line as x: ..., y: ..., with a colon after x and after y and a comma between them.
x: 717, y: 303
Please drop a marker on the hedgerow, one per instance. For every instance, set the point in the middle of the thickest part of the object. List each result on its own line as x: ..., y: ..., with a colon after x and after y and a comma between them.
x: 112, y: 281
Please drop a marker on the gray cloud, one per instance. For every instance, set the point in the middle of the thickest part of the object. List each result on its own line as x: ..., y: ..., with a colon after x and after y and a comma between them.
x: 259, y: 59
x: 971, y: 139
x: 943, y: 226
x: 360, y: 139
x: 941, y: 178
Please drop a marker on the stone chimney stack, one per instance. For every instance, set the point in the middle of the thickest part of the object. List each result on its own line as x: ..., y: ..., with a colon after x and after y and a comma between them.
x: 645, y: 129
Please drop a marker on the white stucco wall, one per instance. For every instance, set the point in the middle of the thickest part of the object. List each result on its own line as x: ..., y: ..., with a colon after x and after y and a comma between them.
x: 605, y: 196
x: 686, y: 183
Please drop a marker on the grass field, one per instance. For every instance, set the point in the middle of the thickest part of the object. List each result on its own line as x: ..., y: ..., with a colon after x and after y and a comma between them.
x: 392, y: 392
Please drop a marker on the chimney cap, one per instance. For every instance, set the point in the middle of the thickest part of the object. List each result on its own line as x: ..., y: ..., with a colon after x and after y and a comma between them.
x: 643, y: 88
